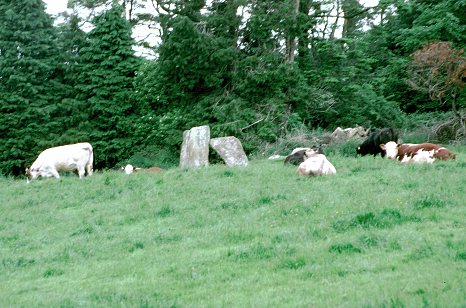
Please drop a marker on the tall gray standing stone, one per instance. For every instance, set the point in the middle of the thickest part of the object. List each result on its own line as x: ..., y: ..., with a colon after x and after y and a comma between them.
x: 195, y: 147
x: 231, y: 150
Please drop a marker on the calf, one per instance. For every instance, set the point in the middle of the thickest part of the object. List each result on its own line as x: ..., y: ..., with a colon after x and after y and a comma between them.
x: 399, y: 151
x: 130, y: 169
x: 70, y: 157
x: 315, y: 165
x: 297, y: 156
x: 372, y: 144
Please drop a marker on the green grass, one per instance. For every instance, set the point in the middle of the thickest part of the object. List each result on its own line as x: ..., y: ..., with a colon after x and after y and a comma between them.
x: 378, y: 234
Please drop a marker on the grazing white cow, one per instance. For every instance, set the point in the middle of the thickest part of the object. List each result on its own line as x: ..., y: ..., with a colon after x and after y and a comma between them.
x: 420, y: 157
x: 70, y: 157
x: 130, y: 169
x: 315, y: 164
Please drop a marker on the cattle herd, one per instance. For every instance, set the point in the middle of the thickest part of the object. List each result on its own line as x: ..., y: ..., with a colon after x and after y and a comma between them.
x: 310, y: 161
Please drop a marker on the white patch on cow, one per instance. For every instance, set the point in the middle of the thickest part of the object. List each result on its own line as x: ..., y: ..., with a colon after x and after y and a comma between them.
x: 70, y: 157
x: 275, y: 156
x: 315, y: 165
x: 391, y: 149
x: 406, y: 159
x: 420, y: 157
x: 424, y: 157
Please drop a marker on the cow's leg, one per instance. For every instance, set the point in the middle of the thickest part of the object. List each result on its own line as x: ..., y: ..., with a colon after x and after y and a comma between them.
x: 81, y: 172
x: 89, y: 169
x: 55, y: 173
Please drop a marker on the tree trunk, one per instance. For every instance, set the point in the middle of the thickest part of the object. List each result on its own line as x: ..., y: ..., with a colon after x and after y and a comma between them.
x: 291, y: 41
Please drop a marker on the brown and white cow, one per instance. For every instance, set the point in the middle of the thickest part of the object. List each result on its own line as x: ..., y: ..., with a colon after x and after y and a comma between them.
x: 69, y: 157
x: 400, y: 151
x: 315, y: 164
x: 131, y: 169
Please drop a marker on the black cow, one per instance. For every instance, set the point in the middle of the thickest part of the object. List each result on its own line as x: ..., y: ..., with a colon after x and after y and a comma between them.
x: 297, y: 157
x: 372, y: 144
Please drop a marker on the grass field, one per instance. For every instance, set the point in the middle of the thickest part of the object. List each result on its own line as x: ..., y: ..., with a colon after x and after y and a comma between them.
x: 378, y: 234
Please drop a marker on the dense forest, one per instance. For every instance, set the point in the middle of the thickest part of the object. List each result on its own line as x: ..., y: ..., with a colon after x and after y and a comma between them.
x: 257, y: 70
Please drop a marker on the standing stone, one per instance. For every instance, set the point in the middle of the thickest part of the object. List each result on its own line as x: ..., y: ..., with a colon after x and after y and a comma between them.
x: 231, y: 150
x: 340, y: 134
x: 195, y: 147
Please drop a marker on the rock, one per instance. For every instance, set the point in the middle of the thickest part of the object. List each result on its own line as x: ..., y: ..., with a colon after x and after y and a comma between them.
x: 195, y: 147
x: 340, y: 134
x: 231, y: 150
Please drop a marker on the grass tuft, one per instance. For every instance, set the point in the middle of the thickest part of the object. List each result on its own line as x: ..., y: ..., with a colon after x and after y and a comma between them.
x: 423, y: 252
x: 344, y: 248
x: 429, y: 202
x: 164, y: 211
x: 136, y: 246
x: 88, y: 229
x: 292, y: 264
x: 53, y: 272
x: 461, y: 256
x: 385, y: 219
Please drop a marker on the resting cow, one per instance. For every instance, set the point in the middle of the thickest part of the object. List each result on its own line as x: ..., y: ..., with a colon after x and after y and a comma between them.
x: 409, y: 150
x: 130, y: 169
x: 70, y: 157
x: 297, y: 156
x: 315, y: 165
x: 372, y: 144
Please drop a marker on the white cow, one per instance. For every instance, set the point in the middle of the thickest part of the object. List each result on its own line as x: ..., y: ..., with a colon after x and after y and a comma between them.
x: 70, y: 157
x: 315, y: 165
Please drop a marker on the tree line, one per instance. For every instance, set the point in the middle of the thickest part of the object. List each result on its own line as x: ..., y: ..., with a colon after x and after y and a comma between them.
x: 257, y: 70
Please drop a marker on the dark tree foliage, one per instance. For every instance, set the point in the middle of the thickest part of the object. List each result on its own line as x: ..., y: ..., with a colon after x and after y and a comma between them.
x: 30, y: 102
x: 74, y: 111
x: 108, y: 67
x: 415, y: 24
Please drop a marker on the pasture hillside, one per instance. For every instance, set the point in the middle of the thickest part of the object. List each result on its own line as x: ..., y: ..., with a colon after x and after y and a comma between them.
x: 378, y: 234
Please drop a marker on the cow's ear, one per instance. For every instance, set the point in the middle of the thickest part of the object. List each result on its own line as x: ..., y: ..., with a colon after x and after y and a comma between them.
x: 382, y: 146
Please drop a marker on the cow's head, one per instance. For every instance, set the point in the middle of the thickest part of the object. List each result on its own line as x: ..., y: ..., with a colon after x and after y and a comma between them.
x: 391, y: 149
x: 32, y: 174
x: 309, y: 153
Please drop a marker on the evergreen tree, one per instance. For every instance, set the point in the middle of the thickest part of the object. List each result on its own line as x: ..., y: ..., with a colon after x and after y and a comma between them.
x: 106, y: 84
x: 74, y: 111
x: 28, y: 83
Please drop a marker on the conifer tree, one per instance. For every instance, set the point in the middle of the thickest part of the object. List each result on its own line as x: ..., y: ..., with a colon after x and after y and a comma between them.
x: 106, y: 84
x: 74, y: 111
x: 28, y: 84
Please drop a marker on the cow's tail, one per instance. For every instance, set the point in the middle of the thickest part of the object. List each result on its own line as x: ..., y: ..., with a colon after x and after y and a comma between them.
x: 90, y: 162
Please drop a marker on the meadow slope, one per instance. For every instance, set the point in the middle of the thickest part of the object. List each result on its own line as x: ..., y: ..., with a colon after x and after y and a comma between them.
x: 378, y: 234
